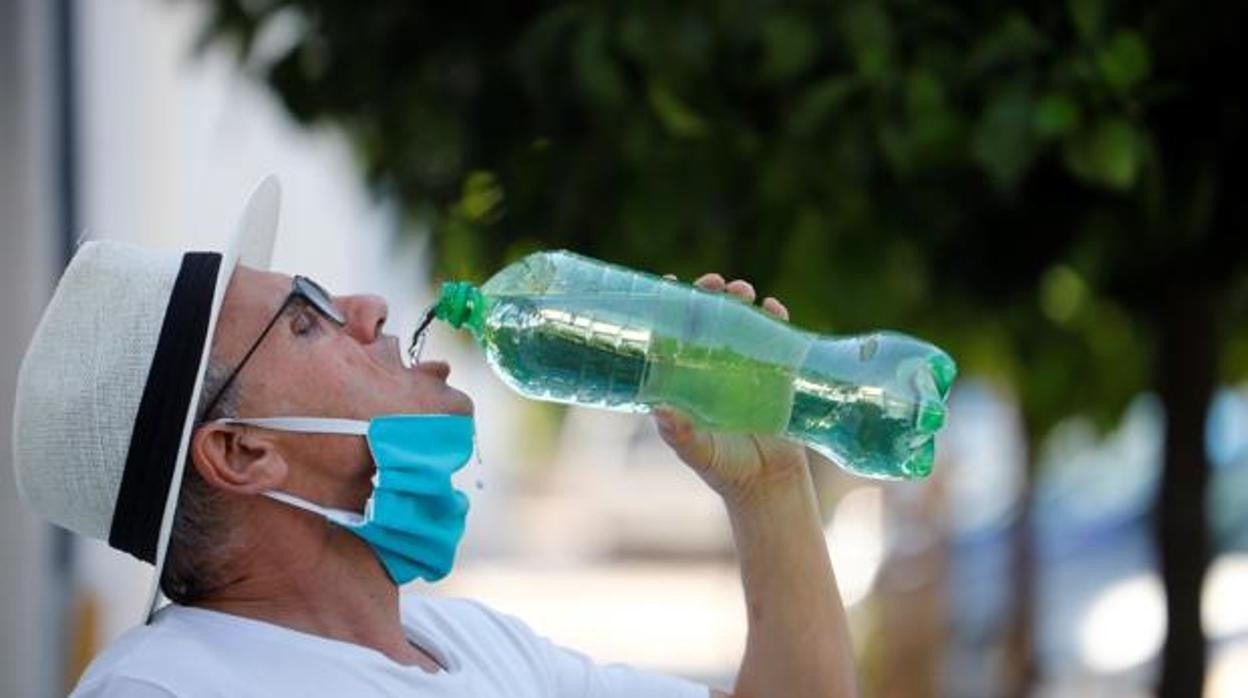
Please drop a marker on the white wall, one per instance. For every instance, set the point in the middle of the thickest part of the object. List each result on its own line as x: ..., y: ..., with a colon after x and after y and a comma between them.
x: 28, y: 248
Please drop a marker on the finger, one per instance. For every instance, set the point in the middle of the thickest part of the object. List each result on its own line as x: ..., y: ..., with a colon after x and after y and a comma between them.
x: 710, y: 282
x: 776, y: 308
x: 670, y: 419
x: 742, y: 289
x: 674, y: 427
x: 679, y: 431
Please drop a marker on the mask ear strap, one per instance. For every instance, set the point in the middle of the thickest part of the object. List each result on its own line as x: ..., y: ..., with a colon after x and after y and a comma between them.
x: 307, y: 425
x: 338, y: 516
x: 310, y: 425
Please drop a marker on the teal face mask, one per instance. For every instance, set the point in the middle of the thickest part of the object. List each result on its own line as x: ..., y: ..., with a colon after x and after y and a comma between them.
x: 415, y: 518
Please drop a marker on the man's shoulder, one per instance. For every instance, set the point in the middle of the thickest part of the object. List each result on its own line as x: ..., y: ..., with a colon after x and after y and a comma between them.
x: 156, y: 655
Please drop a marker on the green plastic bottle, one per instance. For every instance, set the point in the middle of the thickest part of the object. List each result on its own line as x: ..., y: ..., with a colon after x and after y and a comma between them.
x: 566, y: 328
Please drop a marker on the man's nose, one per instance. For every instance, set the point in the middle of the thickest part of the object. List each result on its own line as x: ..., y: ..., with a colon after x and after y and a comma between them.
x: 366, y: 315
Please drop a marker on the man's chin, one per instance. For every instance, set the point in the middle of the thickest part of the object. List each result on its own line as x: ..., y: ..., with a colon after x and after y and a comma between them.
x: 448, y: 400
x: 459, y: 403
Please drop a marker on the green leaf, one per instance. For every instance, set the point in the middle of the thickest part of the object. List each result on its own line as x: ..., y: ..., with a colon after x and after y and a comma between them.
x: 788, y: 47
x: 679, y: 118
x: 1124, y: 61
x: 897, y: 147
x: 482, y: 197
x: 1108, y: 155
x: 1055, y: 115
x: 938, y: 138
x: 596, y: 68
x: 637, y: 39
x: 541, y: 42
x: 1088, y: 17
x: 1235, y: 357
x: 868, y: 32
x: 1014, y: 39
x: 1002, y: 143
x: 1063, y: 294
x: 819, y: 102
x: 924, y: 93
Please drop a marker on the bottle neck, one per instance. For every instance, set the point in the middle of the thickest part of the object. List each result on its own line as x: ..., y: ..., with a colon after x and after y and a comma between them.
x: 461, y: 303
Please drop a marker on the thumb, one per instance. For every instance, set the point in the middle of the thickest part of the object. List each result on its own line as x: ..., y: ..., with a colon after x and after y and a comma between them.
x: 694, y: 446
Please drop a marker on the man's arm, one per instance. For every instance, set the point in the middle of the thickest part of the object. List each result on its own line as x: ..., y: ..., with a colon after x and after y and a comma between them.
x: 798, y: 642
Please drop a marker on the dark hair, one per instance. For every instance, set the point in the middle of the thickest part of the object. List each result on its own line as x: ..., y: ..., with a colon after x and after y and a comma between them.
x: 201, y: 534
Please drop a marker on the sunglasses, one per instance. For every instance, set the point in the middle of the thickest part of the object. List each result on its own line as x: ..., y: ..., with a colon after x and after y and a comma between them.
x: 303, y: 290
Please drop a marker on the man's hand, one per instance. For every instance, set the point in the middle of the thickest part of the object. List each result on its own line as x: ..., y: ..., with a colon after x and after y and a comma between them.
x: 740, y: 467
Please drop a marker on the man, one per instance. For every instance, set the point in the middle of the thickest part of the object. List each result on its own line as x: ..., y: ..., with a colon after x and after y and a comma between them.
x: 262, y: 444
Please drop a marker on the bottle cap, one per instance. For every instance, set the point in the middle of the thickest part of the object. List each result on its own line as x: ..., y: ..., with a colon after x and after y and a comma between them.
x: 455, y: 304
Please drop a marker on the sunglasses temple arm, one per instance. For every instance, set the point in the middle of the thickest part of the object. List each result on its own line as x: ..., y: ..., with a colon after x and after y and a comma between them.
x: 234, y: 374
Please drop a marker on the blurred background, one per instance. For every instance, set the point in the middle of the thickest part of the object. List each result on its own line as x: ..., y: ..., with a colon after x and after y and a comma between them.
x: 1051, y: 191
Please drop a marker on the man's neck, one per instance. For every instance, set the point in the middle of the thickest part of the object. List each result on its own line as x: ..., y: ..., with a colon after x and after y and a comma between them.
x: 312, y: 576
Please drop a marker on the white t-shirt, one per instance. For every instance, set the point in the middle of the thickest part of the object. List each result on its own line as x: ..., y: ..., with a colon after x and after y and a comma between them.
x: 189, y: 651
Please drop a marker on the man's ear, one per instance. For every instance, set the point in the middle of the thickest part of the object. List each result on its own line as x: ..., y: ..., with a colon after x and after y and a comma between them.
x: 237, y: 458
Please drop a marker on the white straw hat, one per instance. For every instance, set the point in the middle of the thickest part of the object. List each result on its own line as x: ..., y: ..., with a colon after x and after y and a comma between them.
x: 107, y: 391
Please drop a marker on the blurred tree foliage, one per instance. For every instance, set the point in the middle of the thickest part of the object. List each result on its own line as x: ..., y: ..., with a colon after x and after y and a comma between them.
x: 1048, y: 189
